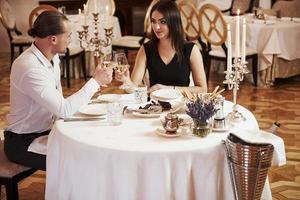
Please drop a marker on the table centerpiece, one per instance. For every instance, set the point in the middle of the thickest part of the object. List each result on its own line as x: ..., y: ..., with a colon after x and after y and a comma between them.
x: 201, y: 110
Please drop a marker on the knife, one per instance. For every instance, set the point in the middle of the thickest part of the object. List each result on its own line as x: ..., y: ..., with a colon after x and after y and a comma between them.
x: 82, y: 119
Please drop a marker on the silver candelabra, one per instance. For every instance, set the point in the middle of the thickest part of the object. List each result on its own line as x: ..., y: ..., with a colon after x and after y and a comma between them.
x: 233, y: 79
x: 87, y: 41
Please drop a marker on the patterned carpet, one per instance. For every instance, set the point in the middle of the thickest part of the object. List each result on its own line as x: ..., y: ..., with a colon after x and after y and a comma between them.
x: 278, y: 103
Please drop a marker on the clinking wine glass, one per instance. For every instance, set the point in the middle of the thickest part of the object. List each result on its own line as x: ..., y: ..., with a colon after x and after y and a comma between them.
x: 122, y: 66
x: 108, y: 62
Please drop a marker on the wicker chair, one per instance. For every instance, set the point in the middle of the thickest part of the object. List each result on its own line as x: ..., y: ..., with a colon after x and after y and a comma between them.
x: 11, y: 173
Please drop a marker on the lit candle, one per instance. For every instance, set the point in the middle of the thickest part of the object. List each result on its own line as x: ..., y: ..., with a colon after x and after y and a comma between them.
x: 107, y: 17
x: 229, y: 51
x: 85, y: 13
x: 79, y: 12
x: 244, y: 41
x: 107, y: 9
x: 237, y: 35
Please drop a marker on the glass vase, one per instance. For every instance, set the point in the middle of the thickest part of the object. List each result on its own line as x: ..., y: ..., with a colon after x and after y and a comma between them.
x: 202, y: 128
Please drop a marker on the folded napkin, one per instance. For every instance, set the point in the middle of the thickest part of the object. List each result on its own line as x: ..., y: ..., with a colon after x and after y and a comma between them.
x: 39, y: 145
x: 261, y: 136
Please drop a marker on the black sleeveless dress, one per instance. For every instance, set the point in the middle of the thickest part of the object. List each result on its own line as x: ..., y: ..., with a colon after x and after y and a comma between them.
x: 175, y: 73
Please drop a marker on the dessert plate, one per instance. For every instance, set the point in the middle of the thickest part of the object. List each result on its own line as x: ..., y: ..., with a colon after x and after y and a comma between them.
x: 108, y: 97
x: 166, y: 94
x: 146, y: 115
x: 93, y: 109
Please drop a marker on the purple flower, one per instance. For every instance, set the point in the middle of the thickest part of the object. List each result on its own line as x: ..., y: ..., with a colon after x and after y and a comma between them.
x: 201, y: 110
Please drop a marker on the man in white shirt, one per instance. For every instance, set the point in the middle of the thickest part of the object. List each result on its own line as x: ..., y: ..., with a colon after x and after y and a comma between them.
x: 36, y: 97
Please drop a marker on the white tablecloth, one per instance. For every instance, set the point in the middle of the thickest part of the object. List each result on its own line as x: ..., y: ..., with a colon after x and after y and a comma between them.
x: 91, y: 160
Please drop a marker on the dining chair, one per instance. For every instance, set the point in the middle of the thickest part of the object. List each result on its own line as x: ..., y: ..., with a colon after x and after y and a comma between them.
x: 287, y: 8
x: 71, y: 53
x: 132, y: 42
x: 245, y: 6
x: 214, y: 30
x: 16, y: 38
x: 191, y: 26
x: 11, y: 174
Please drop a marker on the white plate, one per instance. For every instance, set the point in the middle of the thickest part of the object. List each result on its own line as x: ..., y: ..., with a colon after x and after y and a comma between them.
x: 166, y: 94
x: 108, y: 97
x: 226, y: 128
x: 180, y: 132
x: 296, y: 19
x: 150, y: 115
x: 285, y: 18
x: 270, y: 22
x: 93, y: 109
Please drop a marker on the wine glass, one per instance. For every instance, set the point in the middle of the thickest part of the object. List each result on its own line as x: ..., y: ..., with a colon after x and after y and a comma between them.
x: 122, y: 66
x: 108, y: 62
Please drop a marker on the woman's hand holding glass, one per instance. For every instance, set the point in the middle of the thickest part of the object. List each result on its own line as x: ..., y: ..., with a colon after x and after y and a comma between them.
x: 122, y: 70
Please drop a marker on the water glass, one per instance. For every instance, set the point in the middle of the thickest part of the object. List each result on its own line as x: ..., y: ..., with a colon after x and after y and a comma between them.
x: 140, y: 95
x: 114, y: 113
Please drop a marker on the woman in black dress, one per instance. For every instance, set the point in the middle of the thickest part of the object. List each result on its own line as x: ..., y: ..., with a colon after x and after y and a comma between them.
x: 168, y: 58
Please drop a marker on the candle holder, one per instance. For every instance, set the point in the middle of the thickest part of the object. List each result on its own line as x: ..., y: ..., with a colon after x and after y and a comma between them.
x: 95, y: 42
x: 233, y: 79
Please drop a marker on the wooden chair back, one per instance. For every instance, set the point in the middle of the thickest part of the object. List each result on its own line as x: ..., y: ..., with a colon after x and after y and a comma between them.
x: 190, y: 20
x: 37, y: 11
x: 212, y: 25
x: 147, y: 20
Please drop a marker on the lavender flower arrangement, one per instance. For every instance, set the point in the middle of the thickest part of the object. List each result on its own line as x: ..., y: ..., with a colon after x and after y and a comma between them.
x: 201, y: 110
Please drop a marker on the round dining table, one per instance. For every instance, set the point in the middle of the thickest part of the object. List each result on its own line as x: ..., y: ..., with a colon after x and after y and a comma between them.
x: 93, y: 160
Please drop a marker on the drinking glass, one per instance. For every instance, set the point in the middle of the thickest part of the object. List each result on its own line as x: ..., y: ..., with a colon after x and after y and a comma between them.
x: 114, y: 113
x: 108, y: 62
x: 140, y: 95
x: 122, y: 66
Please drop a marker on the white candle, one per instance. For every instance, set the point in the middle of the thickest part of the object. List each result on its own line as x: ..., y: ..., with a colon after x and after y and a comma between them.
x: 229, y: 51
x: 84, y: 13
x: 79, y: 12
x: 244, y: 41
x: 96, y: 7
x: 107, y: 9
x: 237, y: 35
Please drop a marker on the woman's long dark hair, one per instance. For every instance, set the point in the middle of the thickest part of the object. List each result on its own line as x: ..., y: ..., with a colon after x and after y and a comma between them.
x: 48, y: 23
x: 171, y: 13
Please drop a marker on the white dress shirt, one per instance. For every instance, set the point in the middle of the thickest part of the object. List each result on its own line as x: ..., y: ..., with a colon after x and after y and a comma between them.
x: 36, y: 94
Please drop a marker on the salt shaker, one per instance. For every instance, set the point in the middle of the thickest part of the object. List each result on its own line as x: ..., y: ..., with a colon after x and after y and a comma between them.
x: 219, y: 119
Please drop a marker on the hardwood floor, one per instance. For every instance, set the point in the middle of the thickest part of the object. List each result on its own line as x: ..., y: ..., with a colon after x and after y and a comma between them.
x: 278, y: 103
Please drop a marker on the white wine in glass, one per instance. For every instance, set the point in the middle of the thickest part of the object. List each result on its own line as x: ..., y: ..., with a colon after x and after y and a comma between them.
x: 122, y: 66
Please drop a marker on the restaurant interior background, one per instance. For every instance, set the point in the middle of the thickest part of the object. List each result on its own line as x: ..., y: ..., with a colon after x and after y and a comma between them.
x: 276, y: 103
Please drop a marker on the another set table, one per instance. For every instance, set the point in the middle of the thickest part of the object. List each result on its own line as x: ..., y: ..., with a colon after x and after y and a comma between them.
x: 91, y: 160
x: 277, y: 43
